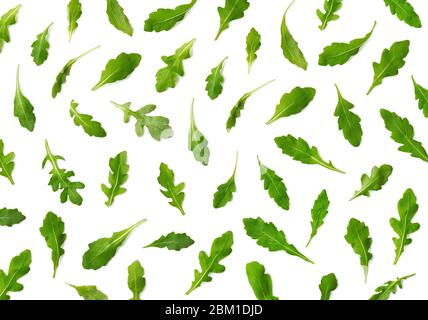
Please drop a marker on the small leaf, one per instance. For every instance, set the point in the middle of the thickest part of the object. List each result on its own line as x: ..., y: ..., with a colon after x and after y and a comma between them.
x: 253, y: 45
x: 23, y: 109
x: 136, y: 279
x: 19, y: 266
x: 7, y: 163
x: 117, y: 177
x: 330, y: 7
x: 74, y: 11
x: 378, y: 178
x: 10, y: 217
x: 173, y: 241
x: 215, y: 81
x: 89, y: 292
x: 118, y: 18
x: 41, y: 46
x: 319, y: 213
x: 224, y: 193
x: 327, y: 285
x: 421, y: 94
x: 174, y: 192
x: 260, y: 281
x: 6, y: 20
x: 91, y: 127
x: 390, y: 287
x: 198, y: 144
x: 233, y: 10
x: 404, y: 11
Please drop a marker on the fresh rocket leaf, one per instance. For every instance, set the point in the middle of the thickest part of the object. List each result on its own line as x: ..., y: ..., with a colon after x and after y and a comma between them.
x: 172, y: 241
x: 260, y: 281
x: 359, y: 238
x: 53, y: 232
x: 23, y: 109
x: 378, y: 178
x: 404, y: 11
x: 166, y: 19
x: 225, y: 191
x: 253, y: 45
x: 330, y: 7
x: 61, y: 78
x: 40, y: 47
x: 89, y: 292
x: 390, y: 287
x: 100, y: 252
x: 174, y: 192
x: 198, y: 144
x: 220, y: 249
x: 299, y: 150
x: 136, y: 279
x: 7, y: 163
x: 327, y: 285
x: 274, y: 186
x: 338, y: 53
x: 289, y: 46
x: 292, y: 103
x: 118, y: 69
x: 10, y: 217
x: 60, y: 179
x: 117, y: 177
x: 402, y: 132
x: 421, y: 94
x: 6, y: 20
x: 118, y: 18
x: 91, y: 127
x: 215, y: 81
x: 233, y: 10
x: 235, y: 113
x: 158, y: 126
x: 168, y: 77
x: 74, y: 11
x: 319, y: 213
x: 269, y: 237
x: 391, y: 62
x: 407, y: 208
x: 19, y: 266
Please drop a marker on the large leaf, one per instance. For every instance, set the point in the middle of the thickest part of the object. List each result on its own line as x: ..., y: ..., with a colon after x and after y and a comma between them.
x: 233, y: 10
x: 10, y: 217
x: 404, y: 11
x: 117, y: 17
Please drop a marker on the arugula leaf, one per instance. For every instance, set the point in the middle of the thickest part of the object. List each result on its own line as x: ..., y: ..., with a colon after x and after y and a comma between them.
x: 198, y: 144
x: 289, y: 46
x: 275, y: 186
x: 136, y: 279
x: 74, y: 11
x: 318, y: 213
x: 225, y: 191
x: 402, y: 132
x: 89, y: 292
x: 23, y: 109
x: 338, y: 53
x: 391, y: 62
x: 19, y: 266
x: 173, y: 241
x: 330, y: 7
x: 53, y: 232
x: 174, y: 192
x: 233, y: 10
x: 10, y: 217
x: 7, y: 163
x: 91, y: 127
x: 327, y: 285
x: 299, y: 150
x: 404, y: 11
x: 60, y: 179
x: 61, y: 78
x: 41, y: 46
x: 235, y: 113
x: 6, y: 20
x: 378, y: 178
x: 292, y: 103
x: 117, y: 177
x: 166, y: 19
x: 260, y: 281
x: 269, y: 237
x: 118, y: 18
x: 167, y: 77
x: 253, y: 45
x: 421, y: 94
x: 158, y: 126
x: 215, y: 81
x: 118, y: 69
x: 359, y: 238
x: 101, y: 251
x: 220, y: 249
x: 407, y: 208
x: 390, y: 287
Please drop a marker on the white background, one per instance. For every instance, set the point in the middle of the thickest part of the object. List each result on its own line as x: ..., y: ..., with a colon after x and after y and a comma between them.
x: 169, y: 274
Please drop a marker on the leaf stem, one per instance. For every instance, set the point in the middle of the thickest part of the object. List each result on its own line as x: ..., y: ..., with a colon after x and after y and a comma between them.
x: 236, y: 164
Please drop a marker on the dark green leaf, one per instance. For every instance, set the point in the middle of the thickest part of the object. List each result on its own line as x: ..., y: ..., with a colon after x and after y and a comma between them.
x: 117, y: 177
x: 174, y: 192
x: 327, y: 285
x: 173, y: 241
x: 10, y: 217
x: 319, y: 213
x: 421, y: 94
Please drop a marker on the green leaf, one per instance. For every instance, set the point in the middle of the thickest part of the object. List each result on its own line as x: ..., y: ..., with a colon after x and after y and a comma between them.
x: 158, y: 126
x: 118, y: 69
x: 215, y: 81
x: 118, y: 18
x: 253, y: 45
x: 136, y: 279
x: 173, y: 241
x: 402, y: 132
x: 225, y: 191
x: 289, y: 46
x: 10, y: 217
x: 166, y: 19
x: 198, y: 144
x: 235, y: 113
x: 167, y: 77
x: 358, y: 237
x: 330, y: 7
x: 7, y: 163
x: 319, y: 213
x: 378, y: 178
x: 260, y: 281
x: 233, y: 10
x: 89, y: 292
x: 23, y: 109
x: 174, y: 192
x: 6, y: 20
x: 407, y: 208
x: 53, y: 232
x: 327, y: 285
x: 74, y: 12
x: 220, y: 249
x: 41, y: 46
x: 19, y: 266
x: 117, y: 177
x: 91, y: 127
x: 338, y: 53
x: 60, y: 179
x: 293, y: 103
x: 390, y: 287
x: 274, y: 185
x: 299, y: 150
x: 101, y: 251
x: 391, y: 62
x: 269, y: 237
x: 404, y: 11
x: 421, y: 94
